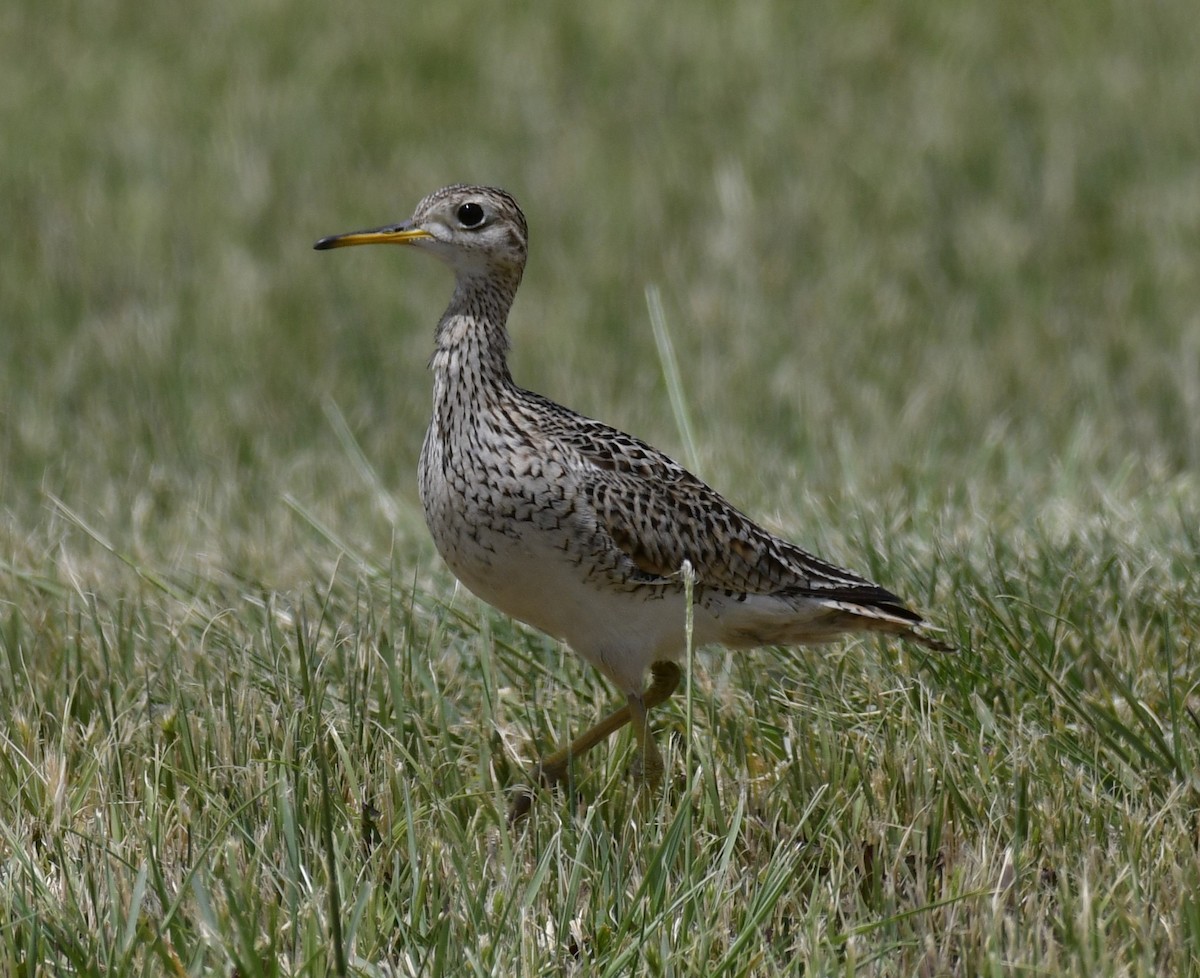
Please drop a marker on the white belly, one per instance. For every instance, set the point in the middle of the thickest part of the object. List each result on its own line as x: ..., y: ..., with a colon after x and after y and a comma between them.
x: 621, y: 632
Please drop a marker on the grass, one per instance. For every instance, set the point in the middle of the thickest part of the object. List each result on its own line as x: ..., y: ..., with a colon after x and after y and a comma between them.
x: 919, y: 279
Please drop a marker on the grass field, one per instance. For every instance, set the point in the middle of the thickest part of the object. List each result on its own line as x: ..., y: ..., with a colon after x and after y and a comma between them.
x: 930, y: 275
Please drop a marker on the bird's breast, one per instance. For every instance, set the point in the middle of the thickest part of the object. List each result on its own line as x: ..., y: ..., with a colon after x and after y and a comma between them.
x: 493, y: 503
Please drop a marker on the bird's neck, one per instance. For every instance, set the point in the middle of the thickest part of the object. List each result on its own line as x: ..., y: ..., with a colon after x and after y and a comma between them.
x: 471, y: 345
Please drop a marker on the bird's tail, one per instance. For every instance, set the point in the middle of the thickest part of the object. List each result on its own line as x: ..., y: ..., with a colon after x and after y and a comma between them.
x: 890, y: 617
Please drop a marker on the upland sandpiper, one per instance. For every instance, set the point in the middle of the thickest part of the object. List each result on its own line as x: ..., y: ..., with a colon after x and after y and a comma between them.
x: 582, y: 530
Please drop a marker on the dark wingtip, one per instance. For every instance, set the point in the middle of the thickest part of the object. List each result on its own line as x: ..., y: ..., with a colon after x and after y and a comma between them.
x: 931, y: 643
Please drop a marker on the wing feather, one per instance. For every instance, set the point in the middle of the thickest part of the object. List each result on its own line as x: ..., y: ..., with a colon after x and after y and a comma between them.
x: 658, y: 514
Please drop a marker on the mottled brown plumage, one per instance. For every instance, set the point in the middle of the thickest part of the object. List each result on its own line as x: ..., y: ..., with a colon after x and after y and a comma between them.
x: 582, y: 530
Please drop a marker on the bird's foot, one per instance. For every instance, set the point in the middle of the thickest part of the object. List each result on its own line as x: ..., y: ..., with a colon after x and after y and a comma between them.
x: 647, y: 767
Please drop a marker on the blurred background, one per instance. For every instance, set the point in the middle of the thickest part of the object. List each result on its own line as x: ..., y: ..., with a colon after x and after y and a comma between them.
x: 901, y: 248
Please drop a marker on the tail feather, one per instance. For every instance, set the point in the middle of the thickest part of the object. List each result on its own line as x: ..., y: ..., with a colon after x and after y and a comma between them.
x: 891, y: 617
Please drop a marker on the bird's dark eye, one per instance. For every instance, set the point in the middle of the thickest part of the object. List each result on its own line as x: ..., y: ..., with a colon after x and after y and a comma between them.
x: 470, y: 215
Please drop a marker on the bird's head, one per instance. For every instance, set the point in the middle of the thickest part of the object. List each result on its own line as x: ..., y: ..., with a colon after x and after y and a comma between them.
x: 474, y: 230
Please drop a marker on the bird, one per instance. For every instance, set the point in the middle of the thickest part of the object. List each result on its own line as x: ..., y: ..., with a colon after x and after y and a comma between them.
x: 582, y: 531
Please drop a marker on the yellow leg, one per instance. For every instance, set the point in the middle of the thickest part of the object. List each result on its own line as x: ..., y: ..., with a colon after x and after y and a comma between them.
x: 664, y: 678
